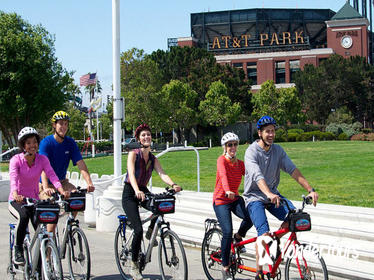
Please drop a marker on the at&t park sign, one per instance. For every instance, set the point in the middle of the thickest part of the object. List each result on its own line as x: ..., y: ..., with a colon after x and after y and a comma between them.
x: 264, y: 40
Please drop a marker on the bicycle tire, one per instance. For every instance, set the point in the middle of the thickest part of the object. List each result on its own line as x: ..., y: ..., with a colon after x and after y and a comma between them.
x: 51, y: 263
x: 212, y: 245
x: 312, y: 265
x: 172, y: 257
x: 80, y: 267
x: 122, y: 251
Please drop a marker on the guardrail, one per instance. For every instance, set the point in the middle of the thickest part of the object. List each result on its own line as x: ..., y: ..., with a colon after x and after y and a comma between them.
x: 188, y: 148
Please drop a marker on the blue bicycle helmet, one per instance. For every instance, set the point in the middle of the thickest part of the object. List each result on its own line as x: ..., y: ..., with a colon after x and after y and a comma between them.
x: 265, y: 120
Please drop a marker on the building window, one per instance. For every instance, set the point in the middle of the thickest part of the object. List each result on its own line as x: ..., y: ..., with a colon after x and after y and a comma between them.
x: 252, y: 72
x: 294, y: 67
x: 280, y: 72
x: 238, y: 65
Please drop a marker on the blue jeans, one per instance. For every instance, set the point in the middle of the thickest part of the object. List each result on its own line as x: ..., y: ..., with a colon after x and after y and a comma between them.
x: 223, y: 213
x: 256, y: 210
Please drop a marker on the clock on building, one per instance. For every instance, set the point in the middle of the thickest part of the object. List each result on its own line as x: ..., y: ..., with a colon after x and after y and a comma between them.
x: 346, y: 41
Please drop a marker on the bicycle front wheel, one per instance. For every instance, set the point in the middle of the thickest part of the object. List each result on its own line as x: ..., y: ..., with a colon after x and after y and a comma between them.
x: 51, y: 263
x: 122, y: 251
x: 211, y: 254
x: 305, y: 262
x: 79, y: 256
x: 172, y: 257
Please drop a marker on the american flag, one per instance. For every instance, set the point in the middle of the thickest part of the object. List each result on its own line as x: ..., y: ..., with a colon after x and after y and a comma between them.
x: 88, y: 79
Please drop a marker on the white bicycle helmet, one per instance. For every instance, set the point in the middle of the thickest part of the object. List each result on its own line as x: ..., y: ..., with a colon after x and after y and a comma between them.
x: 229, y: 136
x: 26, y: 131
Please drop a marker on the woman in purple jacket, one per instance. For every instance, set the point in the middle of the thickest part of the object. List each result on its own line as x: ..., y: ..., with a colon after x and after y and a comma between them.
x: 24, y: 172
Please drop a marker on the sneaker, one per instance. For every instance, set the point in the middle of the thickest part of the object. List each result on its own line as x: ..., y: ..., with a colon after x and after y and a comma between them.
x: 226, y: 275
x: 240, y: 248
x: 260, y: 276
x: 148, y: 235
x: 134, y: 271
x: 18, y: 255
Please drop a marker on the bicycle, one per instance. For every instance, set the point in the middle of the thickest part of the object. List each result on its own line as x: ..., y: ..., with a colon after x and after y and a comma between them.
x: 74, y: 241
x: 305, y: 262
x: 171, y: 255
x: 45, y: 251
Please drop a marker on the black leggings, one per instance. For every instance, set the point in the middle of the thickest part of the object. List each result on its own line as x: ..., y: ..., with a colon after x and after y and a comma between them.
x: 130, y: 205
x: 23, y: 215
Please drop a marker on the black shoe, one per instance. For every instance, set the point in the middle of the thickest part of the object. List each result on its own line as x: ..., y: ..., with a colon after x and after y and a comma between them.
x: 148, y: 235
x: 18, y: 255
x: 260, y: 276
x: 240, y: 248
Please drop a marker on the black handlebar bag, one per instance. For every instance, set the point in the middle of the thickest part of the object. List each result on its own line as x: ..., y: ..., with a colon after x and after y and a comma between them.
x: 299, y: 221
x: 46, y: 213
x: 76, y: 202
x: 161, y: 204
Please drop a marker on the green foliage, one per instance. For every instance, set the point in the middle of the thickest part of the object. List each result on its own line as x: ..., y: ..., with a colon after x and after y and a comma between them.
x: 366, y: 130
x: 141, y: 86
x: 305, y: 127
x: 179, y: 99
x: 342, y: 137
x: 337, y: 83
x: 217, y: 109
x: 295, y: 131
x: 348, y: 129
x: 76, y: 123
x: 281, y: 135
x: 30, y: 75
x: 318, y: 135
x: 341, y: 115
x: 293, y: 137
x: 282, y: 104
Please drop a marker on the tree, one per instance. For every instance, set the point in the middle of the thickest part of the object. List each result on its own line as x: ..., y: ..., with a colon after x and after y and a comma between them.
x: 282, y: 104
x: 32, y: 81
x: 217, y: 108
x: 141, y: 85
x: 77, y: 122
x: 336, y: 83
x: 179, y: 99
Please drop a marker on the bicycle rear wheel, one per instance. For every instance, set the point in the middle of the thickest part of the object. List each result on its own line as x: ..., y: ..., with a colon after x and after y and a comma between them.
x: 172, y: 257
x: 211, y: 254
x: 51, y: 263
x: 122, y: 251
x: 79, y: 256
x: 306, y: 263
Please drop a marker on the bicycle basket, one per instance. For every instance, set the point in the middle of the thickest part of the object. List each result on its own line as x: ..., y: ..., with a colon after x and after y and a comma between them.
x: 46, y: 213
x: 161, y: 204
x: 300, y: 221
x: 76, y: 202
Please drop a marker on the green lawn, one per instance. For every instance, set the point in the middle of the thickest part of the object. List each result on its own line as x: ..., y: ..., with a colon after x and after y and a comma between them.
x: 341, y: 171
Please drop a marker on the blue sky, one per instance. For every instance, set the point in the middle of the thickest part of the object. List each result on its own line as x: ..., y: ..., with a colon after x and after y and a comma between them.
x: 83, y: 28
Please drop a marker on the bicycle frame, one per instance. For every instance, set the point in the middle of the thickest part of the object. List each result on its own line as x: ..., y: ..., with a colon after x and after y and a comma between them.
x: 70, y: 223
x: 39, y: 240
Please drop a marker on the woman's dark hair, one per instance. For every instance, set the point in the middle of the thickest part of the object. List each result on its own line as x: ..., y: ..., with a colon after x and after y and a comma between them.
x: 22, y: 141
x: 140, y: 128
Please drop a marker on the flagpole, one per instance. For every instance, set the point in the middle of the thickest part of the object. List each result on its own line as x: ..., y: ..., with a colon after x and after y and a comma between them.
x: 117, y: 118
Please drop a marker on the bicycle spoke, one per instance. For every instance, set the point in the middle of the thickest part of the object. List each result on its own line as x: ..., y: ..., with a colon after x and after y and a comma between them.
x: 306, y: 263
x: 172, y: 257
x: 122, y: 251
x: 211, y: 254
x: 79, y: 256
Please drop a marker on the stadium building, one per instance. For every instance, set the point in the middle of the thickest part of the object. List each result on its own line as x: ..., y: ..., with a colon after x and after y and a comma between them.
x: 272, y: 44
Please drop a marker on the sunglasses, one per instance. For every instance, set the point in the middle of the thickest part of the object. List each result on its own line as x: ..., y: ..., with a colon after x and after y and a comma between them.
x: 232, y: 144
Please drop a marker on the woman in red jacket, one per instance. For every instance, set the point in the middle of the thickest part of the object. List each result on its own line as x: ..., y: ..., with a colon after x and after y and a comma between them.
x: 226, y: 198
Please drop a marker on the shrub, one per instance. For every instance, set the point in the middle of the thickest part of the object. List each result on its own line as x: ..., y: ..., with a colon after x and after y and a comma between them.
x: 348, y: 129
x: 327, y: 136
x: 293, y: 137
x: 343, y: 136
x: 295, y: 130
x: 305, y: 127
x: 366, y: 130
x: 363, y: 137
x: 280, y: 135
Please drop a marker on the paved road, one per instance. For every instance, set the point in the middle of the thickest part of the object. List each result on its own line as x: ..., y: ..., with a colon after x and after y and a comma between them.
x: 102, y: 255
